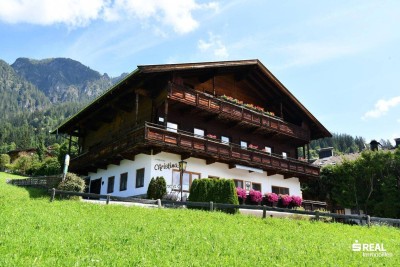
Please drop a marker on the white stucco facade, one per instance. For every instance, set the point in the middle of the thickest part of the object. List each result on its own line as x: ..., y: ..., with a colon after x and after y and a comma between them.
x: 166, y: 165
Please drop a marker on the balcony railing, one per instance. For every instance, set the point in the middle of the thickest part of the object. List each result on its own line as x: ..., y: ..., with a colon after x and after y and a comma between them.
x: 151, y: 135
x: 236, y: 112
x: 227, y: 152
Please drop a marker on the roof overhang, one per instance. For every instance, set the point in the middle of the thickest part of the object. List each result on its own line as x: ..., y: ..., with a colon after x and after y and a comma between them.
x: 317, y: 129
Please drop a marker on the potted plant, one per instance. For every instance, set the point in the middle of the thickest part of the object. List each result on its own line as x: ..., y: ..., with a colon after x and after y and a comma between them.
x: 241, y: 193
x: 272, y: 199
x: 212, y: 136
x: 255, y: 196
x: 285, y: 200
x: 296, y: 201
x: 253, y: 146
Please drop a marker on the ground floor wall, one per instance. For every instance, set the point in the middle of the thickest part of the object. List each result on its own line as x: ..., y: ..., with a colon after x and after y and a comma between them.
x: 131, y: 178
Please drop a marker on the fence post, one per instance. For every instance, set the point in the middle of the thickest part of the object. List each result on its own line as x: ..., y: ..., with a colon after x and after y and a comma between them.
x: 264, y: 212
x: 369, y: 221
x: 159, y: 203
x: 317, y: 215
x: 211, y: 206
x: 108, y: 199
x: 53, y: 194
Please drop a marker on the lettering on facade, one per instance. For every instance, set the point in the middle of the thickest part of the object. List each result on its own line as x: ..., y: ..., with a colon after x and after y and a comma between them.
x: 165, y: 166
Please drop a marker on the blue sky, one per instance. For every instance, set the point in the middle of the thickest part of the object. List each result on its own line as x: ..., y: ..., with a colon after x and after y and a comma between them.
x: 341, y: 59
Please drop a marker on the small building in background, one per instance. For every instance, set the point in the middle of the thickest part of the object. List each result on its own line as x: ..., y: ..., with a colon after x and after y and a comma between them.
x: 374, y: 145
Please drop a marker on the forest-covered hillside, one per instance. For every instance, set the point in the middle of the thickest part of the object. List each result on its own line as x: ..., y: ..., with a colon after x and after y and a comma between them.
x: 37, y: 95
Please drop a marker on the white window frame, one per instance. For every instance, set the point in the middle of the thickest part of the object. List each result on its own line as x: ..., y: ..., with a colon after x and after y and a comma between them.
x: 198, y: 132
x: 244, y: 144
x: 172, y: 127
x: 224, y: 141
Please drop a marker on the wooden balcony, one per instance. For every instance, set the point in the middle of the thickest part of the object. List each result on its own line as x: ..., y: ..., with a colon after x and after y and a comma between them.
x: 237, y: 112
x: 158, y: 138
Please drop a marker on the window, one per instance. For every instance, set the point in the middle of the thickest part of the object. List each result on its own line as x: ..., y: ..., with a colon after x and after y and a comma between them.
x: 139, y: 178
x: 238, y: 183
x: 110, y: 185
x: 198, y: 132
x: 187, y: 179
x: 268, y: 149
x: 160, y: 119
x: 256, y: 186
x: 123, y: 181
x: 243, y: 144
x: 280, y: 190
x: 284, y: 155
x: 225, y: 139
x: 172, y: 127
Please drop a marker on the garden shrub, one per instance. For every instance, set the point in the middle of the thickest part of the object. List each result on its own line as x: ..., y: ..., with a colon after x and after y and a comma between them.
x: 216, y: 190
x: 4, y: 161
x: 151, y: 189
x: 242, y: 194
x: 157, y: 188
x: 72, y: 182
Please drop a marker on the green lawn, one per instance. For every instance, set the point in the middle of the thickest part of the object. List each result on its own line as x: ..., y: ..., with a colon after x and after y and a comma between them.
x: 35, y: 232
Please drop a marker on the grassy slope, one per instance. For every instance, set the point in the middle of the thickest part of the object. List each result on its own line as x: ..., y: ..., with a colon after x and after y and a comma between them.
x: 35, y: 232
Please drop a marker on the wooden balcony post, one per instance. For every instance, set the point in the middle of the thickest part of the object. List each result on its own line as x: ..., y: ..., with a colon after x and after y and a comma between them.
x: 214, y: 85
x: 136, y: 107
x: 166, y: 112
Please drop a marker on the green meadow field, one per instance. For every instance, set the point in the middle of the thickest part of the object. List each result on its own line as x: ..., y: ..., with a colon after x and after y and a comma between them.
x: 36, y: 232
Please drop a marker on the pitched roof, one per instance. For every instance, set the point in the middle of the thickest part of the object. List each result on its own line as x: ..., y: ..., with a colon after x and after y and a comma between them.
x: 252, y: 65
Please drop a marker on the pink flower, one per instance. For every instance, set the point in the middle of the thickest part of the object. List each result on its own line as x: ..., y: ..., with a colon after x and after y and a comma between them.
x: 296, y: 201
x: 286, y: 199
x: 241, y: 193
x: 272, y: 197
x: 255, y: 196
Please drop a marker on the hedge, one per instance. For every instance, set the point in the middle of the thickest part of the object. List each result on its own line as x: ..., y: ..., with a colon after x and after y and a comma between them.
x: 216, y: 190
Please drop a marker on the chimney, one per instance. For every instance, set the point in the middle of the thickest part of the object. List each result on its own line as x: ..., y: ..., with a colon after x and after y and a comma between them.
x: 325, y: 152
x: 397, y: 140
x: 374, y: 145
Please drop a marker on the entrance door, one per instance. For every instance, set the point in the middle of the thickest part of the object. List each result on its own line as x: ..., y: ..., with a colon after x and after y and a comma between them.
x: 95, y: 186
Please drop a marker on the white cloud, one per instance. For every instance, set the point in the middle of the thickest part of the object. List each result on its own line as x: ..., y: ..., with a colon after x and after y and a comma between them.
x: 214, y: 45
x: 177, y: 14
x: 382, y: 107
x: 47, y: 12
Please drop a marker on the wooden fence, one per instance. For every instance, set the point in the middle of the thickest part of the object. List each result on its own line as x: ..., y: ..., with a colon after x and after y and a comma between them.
x: 317, y: 215
x: 42, y: 181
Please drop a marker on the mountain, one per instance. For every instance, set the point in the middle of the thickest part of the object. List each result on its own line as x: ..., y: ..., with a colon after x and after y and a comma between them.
x: 18, y: 95
x: 37, y: 95
x: 62, y: 79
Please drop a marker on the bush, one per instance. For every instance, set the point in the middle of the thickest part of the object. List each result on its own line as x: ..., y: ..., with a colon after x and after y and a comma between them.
x: 255, y: 196
x: 216, y: 190
x: 286, y: 200
x: 151, y: 190
x: 242, y: 194
x: 157, y: 188
x: 296, y: 201
x: 272, y: 197
x: 50, y: 166
x: 4, y: 161
x: 72, y: 182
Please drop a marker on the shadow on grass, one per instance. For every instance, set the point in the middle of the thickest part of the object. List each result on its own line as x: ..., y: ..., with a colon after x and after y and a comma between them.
x: 37, y: 192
